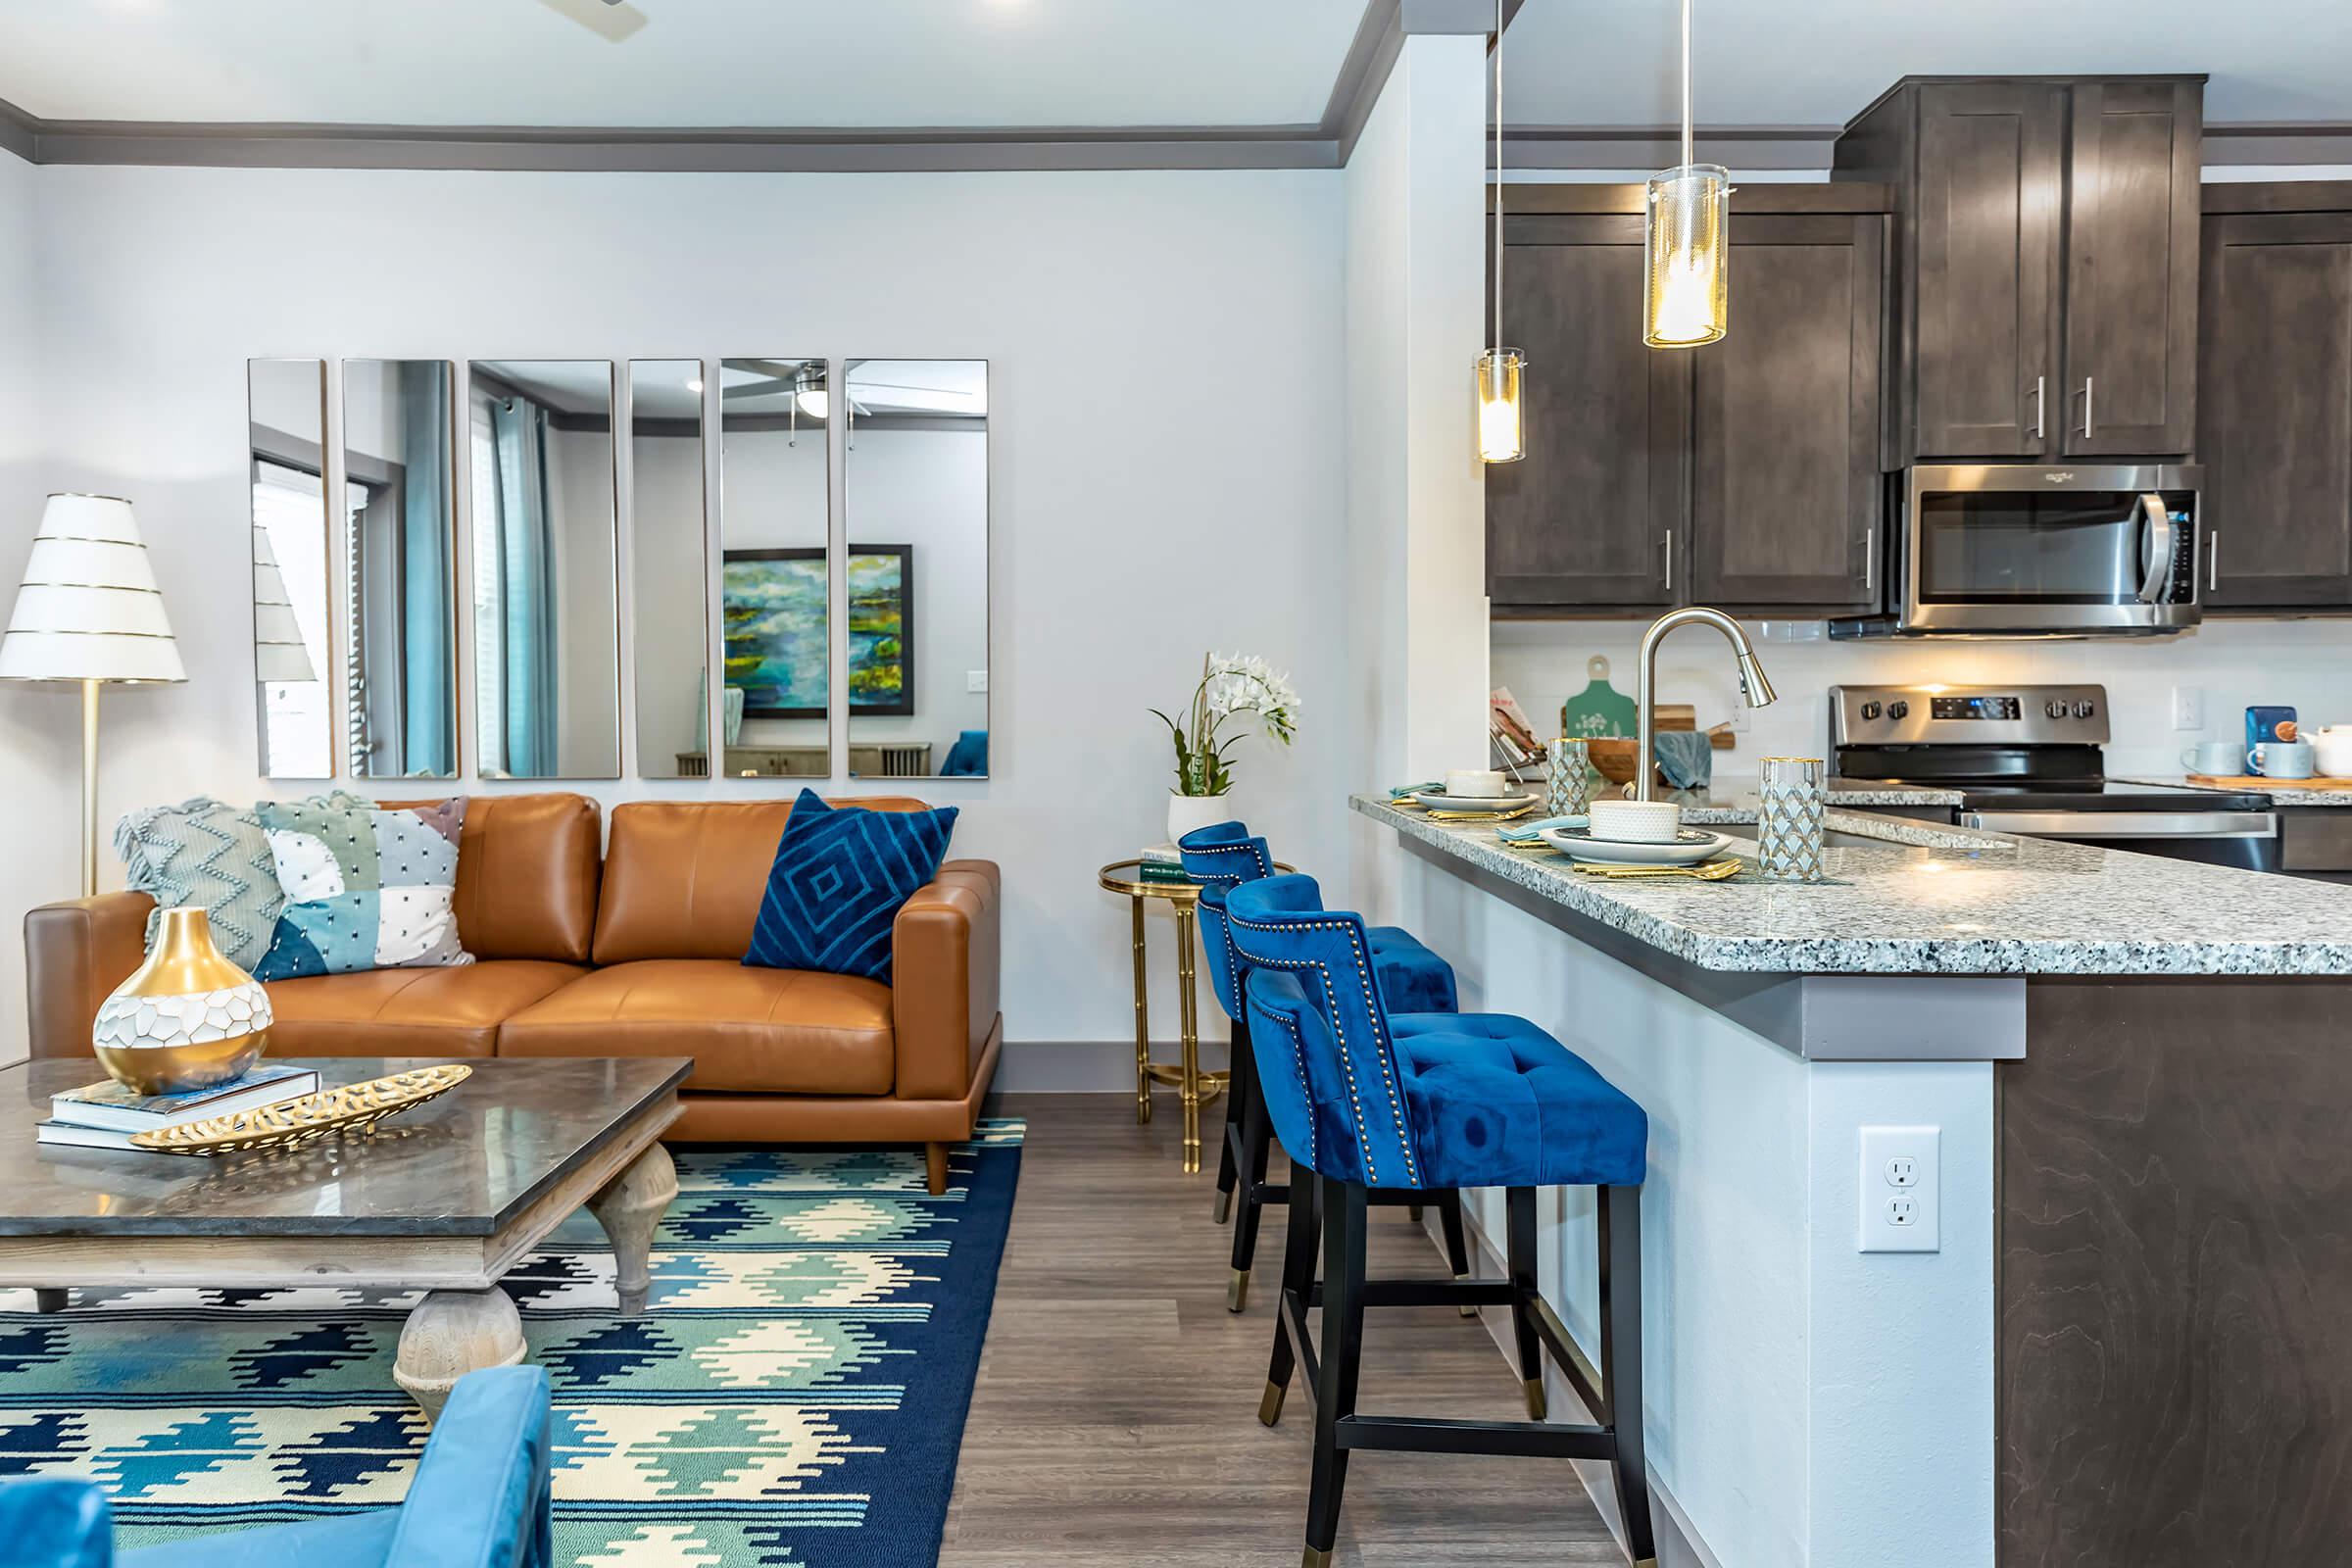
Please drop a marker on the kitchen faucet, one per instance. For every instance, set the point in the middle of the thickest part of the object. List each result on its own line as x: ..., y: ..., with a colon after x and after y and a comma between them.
x: 1754, y: 690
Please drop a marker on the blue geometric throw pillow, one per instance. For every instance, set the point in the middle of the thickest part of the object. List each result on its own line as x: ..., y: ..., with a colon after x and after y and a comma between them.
x: 839, y: 881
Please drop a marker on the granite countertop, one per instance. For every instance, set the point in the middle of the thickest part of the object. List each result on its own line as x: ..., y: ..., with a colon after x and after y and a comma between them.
x: 2284, y: 791
x: 1981, y: 903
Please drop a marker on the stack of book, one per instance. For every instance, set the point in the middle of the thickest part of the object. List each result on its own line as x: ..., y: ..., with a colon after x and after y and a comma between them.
x: 1164, y: 862
x: 107, y: 1115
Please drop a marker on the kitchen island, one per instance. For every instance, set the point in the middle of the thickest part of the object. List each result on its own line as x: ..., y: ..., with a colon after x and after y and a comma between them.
x: 2142, y: 1281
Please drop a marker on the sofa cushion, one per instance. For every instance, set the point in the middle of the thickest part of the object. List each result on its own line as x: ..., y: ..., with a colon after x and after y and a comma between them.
x: 210, y: 853
x: 408, y: 1012
x: 528, y: 866
x: 838, y: 884
x: 683, y: 879
x: 778, y: 1031
x: 365, y: 889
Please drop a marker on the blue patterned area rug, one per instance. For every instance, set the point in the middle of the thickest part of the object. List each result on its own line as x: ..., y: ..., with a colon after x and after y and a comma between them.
x: 794, y: 1399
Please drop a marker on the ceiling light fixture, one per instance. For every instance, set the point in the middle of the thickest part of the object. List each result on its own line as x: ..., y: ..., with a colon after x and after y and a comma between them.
x: 1687, y: 242
x: 1501, y: 434
x: 808, y: 391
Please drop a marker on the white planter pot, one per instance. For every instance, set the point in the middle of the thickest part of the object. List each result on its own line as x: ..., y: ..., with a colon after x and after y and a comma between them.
x: 1189, y: 812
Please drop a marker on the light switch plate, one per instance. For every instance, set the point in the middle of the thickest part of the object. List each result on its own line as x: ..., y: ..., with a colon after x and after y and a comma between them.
x: 2189, y: 707
x: 975, y: 680
x: 1901, y: 1190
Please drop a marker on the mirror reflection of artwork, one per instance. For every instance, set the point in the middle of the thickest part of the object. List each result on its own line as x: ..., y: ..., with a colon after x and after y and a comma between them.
x: 916, y: 470
x: 398, y: 595
x: 776, y: 519
x: 772, y: 619
x: 287, y: 403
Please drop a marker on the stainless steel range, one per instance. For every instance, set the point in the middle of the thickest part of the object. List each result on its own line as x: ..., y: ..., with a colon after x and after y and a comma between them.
x: 2029, y: 761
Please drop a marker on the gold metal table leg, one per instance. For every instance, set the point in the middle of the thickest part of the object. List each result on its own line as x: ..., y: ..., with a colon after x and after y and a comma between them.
x: 1143, y: 1021
x: 1188, y: 1013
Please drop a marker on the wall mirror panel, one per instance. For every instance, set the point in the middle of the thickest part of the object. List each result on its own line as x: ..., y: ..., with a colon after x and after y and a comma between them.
x: 545, y: 568
x: 915, y: 476
x: 669, y: 569
x: 292, y: 670
x: 774, y: 520
x: 397, y: 591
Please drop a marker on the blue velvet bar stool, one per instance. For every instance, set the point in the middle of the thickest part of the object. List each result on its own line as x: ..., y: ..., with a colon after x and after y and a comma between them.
x: 1367, y: 1101
x: 1412, y: 979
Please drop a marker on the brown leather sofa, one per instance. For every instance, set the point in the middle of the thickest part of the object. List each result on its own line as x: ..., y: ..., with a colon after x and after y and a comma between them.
x: 636, y: 952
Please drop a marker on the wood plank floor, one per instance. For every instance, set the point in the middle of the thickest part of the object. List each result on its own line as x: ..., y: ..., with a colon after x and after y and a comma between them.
x: 1115, y: 1417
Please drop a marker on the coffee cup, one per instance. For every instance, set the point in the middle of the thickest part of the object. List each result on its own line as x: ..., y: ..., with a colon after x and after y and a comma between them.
x: 1473, y: 783
x: 2216, y: 758
x: 2284, y: 760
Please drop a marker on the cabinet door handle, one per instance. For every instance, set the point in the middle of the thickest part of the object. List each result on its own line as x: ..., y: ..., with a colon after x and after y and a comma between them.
x: 1870, y: 562
x: 1670, y: 562
x: 2041, y: 402
x: 2213, y: 561
x: 2087, y: 391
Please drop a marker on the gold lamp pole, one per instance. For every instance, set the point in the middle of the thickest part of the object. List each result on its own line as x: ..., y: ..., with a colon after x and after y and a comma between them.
x: 1501, y: 431
x: 89, y: 613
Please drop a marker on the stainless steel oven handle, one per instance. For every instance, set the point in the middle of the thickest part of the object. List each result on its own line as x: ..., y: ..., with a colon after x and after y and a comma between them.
x: 2127, y: 825
x: 2162, y: 541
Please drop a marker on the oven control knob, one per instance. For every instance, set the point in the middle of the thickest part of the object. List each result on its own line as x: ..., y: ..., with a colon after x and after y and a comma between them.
x: 1870, y: 710
x: 2055, y: 708
x: 1898, y: 709
x: 2086, y: 708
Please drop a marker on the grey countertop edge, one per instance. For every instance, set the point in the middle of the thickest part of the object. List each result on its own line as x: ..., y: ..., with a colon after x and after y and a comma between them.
x: 2283, y: 792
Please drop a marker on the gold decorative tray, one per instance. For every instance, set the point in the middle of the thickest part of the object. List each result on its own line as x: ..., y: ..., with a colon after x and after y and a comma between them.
x: 353, y: 1108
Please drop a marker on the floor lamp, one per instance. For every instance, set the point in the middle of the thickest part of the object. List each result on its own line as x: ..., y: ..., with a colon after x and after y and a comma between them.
x: 89, y: 612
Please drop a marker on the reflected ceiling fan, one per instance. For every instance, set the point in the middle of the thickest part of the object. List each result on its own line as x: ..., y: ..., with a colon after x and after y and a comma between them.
x: 613, y: 20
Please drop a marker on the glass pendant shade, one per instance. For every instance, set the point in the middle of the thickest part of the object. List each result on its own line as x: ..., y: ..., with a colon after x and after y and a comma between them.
x: 1686, y: 252
x: 1500, y: 437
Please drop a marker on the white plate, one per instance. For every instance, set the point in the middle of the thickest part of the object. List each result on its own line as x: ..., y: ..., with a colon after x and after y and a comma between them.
x: 1691, y: 847
x: 1439, y: 800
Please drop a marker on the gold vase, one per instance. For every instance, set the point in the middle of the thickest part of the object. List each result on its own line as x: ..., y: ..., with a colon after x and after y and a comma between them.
x: 187, y: 1019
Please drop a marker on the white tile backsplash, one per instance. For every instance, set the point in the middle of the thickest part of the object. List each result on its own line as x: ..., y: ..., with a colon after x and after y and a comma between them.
x: 2304, y: 663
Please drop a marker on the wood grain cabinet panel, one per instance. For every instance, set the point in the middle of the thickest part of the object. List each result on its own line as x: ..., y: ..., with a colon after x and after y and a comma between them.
x: 2275, y: 420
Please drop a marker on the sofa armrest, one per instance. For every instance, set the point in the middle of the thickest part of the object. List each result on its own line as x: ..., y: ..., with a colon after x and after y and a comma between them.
x: 944, y: 954
x: 75, y: 953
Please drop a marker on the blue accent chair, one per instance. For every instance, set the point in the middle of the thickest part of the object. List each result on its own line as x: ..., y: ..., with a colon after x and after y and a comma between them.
x: 481, y: 1499
x: 1412, y: 979
x: 968, y: 757
x: 1367, y: 1099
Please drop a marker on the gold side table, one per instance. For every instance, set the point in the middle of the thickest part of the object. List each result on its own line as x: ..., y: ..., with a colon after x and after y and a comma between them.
x: 1194, y: 1087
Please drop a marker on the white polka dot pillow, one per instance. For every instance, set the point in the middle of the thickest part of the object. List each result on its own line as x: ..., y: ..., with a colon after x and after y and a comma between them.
x: 365, y: 887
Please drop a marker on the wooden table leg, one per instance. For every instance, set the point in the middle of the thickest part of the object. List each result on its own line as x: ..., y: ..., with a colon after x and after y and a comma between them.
x: 1187, y: 1014
x: 1143, y: 1021
x: 629, y: 1209
x: 450, y: 1334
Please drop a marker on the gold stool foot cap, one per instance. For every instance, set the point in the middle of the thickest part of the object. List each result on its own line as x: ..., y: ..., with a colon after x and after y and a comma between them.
x: 1537, y: 1406
x: 1237, y: 1294
x: 1469, y: 1309
x: 1224, y: 1211
x: 1316, y: 1558
x: 1269, y: 1409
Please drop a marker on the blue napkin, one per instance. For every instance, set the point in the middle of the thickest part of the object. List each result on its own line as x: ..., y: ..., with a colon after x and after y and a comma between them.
x: 1686, y: 756
x: 1529, y: 832
x: 1399, y: 792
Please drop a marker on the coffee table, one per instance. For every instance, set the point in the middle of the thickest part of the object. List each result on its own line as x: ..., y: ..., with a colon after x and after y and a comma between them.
x: 447, y: 1198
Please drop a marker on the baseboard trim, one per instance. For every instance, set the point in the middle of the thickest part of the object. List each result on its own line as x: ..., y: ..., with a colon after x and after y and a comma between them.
x: 1085, y: 1066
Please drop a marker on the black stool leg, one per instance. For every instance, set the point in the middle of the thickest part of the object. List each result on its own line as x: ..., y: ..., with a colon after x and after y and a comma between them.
x: 1343, y: 1206
x: 1621, y: 1361
x: 1257, y: 1142
x: 1458, y: 1246
x: 1297, y: 1279
x: 1520, y: 1252
x: 1239, y: 1090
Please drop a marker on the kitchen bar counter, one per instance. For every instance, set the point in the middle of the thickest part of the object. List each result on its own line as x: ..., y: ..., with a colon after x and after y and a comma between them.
x: 2283, y: 792
x: 1972, y: 905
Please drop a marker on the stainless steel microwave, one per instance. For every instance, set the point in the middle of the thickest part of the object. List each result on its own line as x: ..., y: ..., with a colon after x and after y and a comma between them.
x: 2015, y: 550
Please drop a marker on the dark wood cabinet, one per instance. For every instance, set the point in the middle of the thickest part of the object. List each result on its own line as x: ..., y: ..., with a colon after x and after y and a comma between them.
x: 1587, y: 518
x: 2276, y: 428
x: 2046, y: 263
x: 1743, y: 474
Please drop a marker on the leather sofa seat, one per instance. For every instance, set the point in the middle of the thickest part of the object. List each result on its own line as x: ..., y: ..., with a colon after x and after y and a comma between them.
x: 409, y: 1012
x: 775, y: 1031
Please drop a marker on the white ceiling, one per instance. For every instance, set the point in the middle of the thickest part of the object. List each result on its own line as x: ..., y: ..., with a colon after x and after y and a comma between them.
x: 845, y: 63
x: 1818, y: 62
x: 693, y: 63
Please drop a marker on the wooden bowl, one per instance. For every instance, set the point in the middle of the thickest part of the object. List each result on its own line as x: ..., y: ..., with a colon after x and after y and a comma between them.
x: 1614, y: 759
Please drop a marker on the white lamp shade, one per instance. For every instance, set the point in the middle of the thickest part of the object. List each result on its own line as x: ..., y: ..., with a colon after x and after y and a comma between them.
x: 278, y: 653
x: 89, y: 608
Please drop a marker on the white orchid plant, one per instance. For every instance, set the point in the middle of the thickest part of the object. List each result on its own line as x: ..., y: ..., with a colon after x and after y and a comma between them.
x: 1232, y: 686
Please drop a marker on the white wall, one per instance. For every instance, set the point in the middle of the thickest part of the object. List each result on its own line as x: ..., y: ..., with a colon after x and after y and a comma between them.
x: 929, y: 489
x: 1120, y: 473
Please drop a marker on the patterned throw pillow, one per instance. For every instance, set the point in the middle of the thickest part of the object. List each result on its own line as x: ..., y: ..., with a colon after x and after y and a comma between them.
x: 839, y: 881
x: 365, y: 889
x: 210, y: 853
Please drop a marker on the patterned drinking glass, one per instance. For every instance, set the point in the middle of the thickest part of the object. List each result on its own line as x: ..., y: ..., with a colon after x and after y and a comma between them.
x: 1570, y: 792
x: 1789, y: 818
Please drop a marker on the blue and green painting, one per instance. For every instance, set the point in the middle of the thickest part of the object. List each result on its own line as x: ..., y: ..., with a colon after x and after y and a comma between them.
x: 773, y: 619
x: 881, y: 643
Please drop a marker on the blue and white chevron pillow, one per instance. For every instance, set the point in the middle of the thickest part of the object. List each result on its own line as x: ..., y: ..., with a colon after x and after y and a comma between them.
x: 838, y: 884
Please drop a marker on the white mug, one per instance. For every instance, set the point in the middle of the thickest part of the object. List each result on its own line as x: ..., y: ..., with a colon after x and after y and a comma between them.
x: 2216, y: 758
x: 1479, y: 784
x: 2332, y: 748
x: 2283, y: 760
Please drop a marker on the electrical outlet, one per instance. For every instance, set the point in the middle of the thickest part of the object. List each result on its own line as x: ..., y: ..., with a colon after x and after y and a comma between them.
x: 2189, y: 707
x: 975, y: 680
x: 1900, y: 1206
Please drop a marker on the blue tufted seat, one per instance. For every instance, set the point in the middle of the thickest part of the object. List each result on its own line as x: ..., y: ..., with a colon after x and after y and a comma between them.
x: 1366, y: 1098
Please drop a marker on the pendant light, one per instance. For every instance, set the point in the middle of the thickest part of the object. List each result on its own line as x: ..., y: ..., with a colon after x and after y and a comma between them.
x: 1502, y: 437
x: 1687, y: 242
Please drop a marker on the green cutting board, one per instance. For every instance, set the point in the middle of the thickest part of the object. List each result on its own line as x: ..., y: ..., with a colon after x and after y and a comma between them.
x: 1600, y: 710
